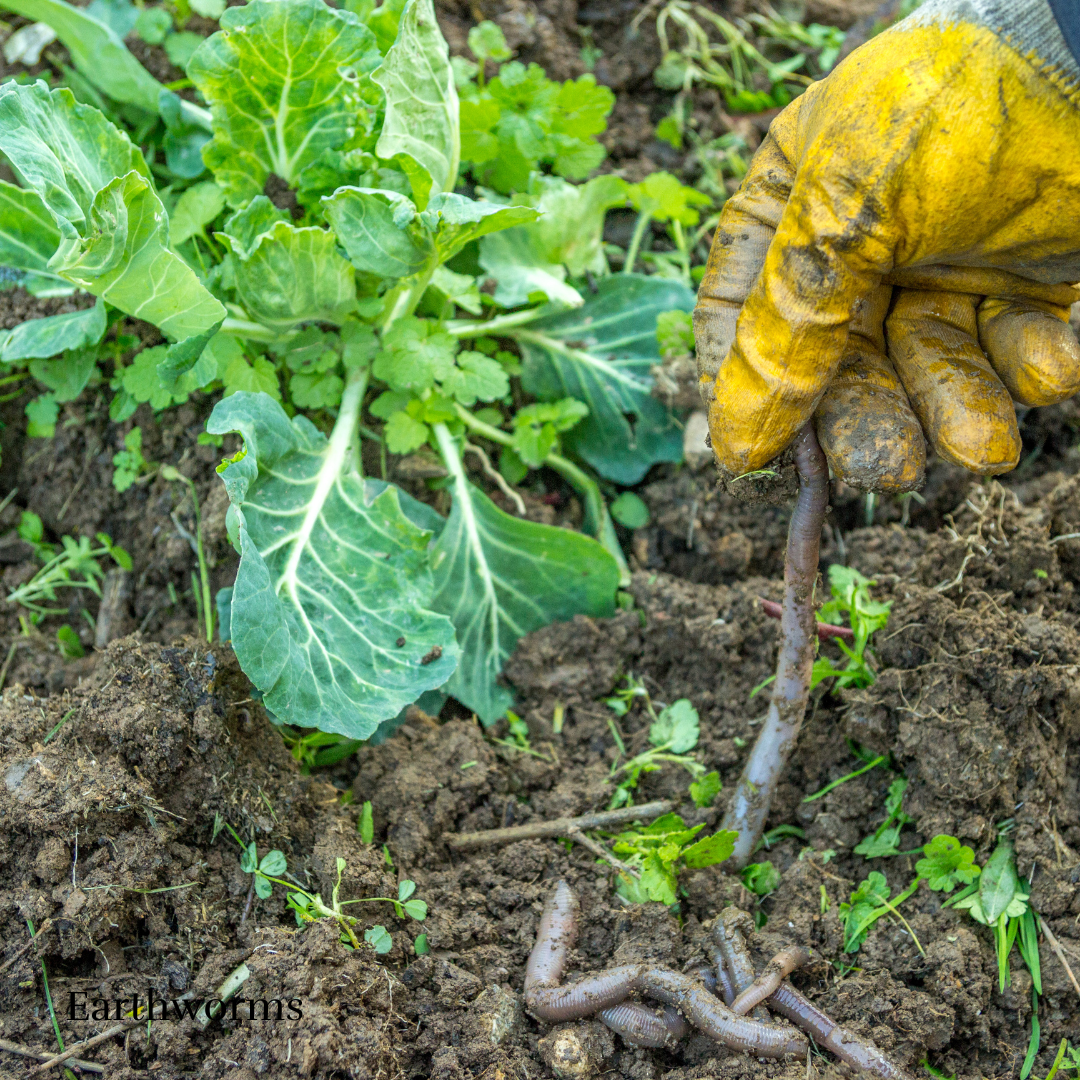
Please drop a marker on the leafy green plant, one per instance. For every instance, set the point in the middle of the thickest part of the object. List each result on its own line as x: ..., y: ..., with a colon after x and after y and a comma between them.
x: 71, y: 647
x: 947, y: 863
x: 332, y: 314
x: 851, y: 600
x: 673, y: 734
x: 869, y: 902
x: 705, y: 790
x: 661, y: 851
x: 76, y: 566
x: 520, y: 119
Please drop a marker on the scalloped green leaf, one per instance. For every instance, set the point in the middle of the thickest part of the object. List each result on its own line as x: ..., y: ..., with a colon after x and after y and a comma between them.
x: 601, y: 354
x: 304, y: 66
x: 499, y: 577
x: 421, y: 98
x: 331, y: 613
x: 114, y: 230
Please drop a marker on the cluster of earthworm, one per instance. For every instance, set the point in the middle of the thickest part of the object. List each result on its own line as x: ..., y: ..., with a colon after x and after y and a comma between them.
x: 725, y: 1001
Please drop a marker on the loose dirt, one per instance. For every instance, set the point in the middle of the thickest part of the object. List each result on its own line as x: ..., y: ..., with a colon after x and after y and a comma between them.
x: 121, y: 769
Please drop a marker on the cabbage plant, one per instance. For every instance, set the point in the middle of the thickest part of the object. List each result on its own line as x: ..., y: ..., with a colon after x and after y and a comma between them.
x: 322, y: 263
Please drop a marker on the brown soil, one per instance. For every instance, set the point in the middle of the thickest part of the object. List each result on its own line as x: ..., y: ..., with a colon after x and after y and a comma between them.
x: 113, y: 823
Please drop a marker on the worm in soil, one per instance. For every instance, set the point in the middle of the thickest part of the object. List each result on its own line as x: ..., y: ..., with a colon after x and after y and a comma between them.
x: 732, y: 957
x: 776, y: 971
x: 641, y: 1026
x: 789, y: 1003
x: 549, y: 1001
x: 749, y: 806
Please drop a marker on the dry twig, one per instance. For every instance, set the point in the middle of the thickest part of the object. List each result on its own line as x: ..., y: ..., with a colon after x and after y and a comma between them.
x: 545, y: 830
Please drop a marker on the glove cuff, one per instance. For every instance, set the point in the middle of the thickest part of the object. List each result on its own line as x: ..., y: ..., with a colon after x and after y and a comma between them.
x: 1045, y: 32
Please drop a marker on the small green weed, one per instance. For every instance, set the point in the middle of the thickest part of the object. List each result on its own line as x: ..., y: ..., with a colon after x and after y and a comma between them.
x: 885, y: 840
x: 661, y: 851
x: 130, y: 463
x: 307, y: 907
x: 761, y: 878
x: 673, y: 734
x: 76, y: 566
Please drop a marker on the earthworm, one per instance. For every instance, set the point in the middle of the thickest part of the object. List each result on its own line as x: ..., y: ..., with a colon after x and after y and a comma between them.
x: 549, y: 1001
x: 776, y: 970
x: 749, y: 806
x: 789, y: 1003
x: 641, y: 1026
x: 732, y: 954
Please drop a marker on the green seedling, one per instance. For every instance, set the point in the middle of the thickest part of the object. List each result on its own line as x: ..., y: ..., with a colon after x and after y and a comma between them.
x: 869, y: 902
x: 76, y: 566
x: 851, y: 600
x: 673, y: 734
x: 705, y: 790
x: 519, y: 737
x: 885, y: 840
x: 71, y: 648
x: 946, y: 864
x: 307, y: 906
x: 871, y: 763
x: 32, y: 530
x: 130, y: 463
x: 1067, y: 1059
x: 1000, y: 901
x: 661, y: 851
x: 365, y: 824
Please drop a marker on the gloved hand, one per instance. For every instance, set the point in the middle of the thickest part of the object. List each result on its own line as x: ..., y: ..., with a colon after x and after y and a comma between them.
x: 896, y: 261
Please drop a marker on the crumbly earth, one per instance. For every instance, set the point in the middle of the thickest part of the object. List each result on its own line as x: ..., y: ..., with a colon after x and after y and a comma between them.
x: 120, y: 770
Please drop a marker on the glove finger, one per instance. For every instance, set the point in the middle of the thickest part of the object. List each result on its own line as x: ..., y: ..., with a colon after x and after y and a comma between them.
x: 1032, y: 347
x: 864, y: 423
x: 963, y: 407
x: 742, y: 238
x: 832, y: 245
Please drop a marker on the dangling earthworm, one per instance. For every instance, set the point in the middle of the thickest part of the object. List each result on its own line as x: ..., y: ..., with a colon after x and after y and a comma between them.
x: 776, y: 971
x: 749, y: 806
x: 641, y: 1026
x: 789, y: 1003
x: 547, y: 1000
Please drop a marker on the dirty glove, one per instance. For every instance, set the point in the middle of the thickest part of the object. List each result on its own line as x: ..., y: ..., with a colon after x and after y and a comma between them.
x: 896, y: 261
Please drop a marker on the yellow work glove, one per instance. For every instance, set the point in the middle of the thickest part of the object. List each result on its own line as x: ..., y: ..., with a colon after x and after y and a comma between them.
x: 897, y: 259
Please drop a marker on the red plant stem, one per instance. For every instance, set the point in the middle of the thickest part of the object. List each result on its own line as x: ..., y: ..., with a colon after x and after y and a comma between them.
x: 749, y: 806
x: 825, y: 630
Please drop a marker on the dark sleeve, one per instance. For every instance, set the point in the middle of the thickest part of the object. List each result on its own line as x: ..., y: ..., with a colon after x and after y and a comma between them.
x: 1067, y: 13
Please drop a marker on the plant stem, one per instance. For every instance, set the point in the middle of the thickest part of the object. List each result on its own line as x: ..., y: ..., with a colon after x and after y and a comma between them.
x: 640, y: 226
x: 252, y: 331
x: 468, y: 328
x: 749, y: 807
x: 578, y: 478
